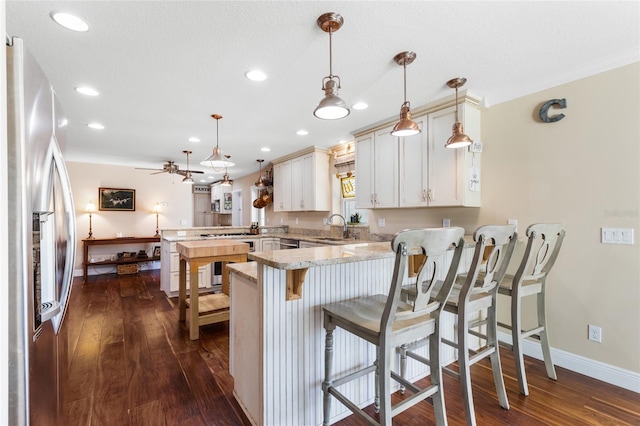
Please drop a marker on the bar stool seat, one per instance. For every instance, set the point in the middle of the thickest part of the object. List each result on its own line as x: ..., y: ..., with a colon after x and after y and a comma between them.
x: 386, y: 322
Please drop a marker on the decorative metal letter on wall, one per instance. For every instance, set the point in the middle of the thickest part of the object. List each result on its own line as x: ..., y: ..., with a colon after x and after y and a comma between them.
x: 544, y: 110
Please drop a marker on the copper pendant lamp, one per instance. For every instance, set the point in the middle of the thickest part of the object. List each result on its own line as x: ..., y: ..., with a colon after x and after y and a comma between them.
x: 331, y: 107
x: 406, y: 126
x: 187, y: 176
x: 216, y: 160
x: 458, y: 139
x: 225, y: 178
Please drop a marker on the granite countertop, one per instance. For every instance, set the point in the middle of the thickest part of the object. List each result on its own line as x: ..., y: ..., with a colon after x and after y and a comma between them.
x: 329, y: 255
x: 325, y: 255
x: 248, y: 270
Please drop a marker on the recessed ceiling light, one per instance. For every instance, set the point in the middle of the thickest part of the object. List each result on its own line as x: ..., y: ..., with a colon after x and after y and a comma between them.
x: 193, y: 139
x: 265, y: 149
x: 360, y: 105
x: 87, y: 91
x: 341, y: 141
x: 96, y: 126
x: 69, y: 21
x: 203, y: 180
x: 211, y: 177
x: 255, y: 75
x: 302, y: 132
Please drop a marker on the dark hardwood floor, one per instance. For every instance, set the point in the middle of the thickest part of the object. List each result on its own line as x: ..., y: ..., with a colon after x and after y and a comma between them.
x: 131, y: 363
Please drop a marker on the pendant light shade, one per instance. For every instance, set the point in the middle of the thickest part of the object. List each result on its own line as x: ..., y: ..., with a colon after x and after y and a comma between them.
x: 187, y: 175
x: 216, y: 160
x: 331, y: 107
x: 458, y: 139
x: 406, y: 126
x: 225, y: 179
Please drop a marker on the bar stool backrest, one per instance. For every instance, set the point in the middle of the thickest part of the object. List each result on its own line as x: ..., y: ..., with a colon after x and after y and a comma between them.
x: 434, y: 243
x: 501, y: 239
x: 543, y: 246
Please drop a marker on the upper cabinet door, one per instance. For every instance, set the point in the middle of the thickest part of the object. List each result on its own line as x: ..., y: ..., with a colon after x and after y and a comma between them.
x: 385, y: 192
x: 282, y: 187
x: 445, y: 165
x: 364, y: 171
x: 414, y: 169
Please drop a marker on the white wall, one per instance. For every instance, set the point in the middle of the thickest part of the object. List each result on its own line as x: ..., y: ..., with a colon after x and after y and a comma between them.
x: 150, y: 189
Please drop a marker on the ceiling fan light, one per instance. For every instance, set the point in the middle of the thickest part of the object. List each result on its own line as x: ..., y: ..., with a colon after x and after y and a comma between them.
x: 458, y: 139
x: 406, y: 126
x: 331, y: 107
x: 188, y: 180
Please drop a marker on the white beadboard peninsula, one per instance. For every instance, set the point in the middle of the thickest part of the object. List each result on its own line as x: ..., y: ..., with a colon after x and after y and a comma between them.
x: 277, y: 336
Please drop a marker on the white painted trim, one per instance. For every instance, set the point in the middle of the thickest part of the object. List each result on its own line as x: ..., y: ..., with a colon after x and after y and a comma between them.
x: 616, y: 376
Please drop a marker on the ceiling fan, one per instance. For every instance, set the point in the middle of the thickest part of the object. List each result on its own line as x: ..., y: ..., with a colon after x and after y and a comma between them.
x: 172, y: 168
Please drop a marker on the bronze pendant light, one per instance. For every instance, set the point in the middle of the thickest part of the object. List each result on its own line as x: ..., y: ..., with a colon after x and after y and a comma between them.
x: 458, y: 139
x: 331, y: 107
x: 187, y: 176
x: 406, y: 126
x: 225, y: 178
x: 216, y: 161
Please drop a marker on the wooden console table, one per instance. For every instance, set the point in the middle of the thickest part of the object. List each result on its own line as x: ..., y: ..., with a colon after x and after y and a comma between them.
x: 115, y: 241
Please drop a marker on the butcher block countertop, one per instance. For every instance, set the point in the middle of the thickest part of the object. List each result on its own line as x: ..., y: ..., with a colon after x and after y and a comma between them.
x: 210, y: 248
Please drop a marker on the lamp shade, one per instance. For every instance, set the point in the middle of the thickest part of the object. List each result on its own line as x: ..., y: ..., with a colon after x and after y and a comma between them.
x: 90, y: 208
x: 458, y: 139
x: 331, y: 107
x: 188, y: 179
x: 406, y: 126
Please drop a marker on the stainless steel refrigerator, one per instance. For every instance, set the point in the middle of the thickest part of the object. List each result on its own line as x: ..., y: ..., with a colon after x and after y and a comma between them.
x: 42, y: 239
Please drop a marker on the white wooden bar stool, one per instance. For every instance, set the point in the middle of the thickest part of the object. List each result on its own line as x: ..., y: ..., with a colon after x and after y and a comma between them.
x: 543, y: 245
x: 386, y: 322
x: 472, y: 294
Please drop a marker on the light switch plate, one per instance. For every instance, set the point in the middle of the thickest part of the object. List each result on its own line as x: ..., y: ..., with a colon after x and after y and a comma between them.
x: 381, y: 223
x: 617, y: 236
x: 446, y: 223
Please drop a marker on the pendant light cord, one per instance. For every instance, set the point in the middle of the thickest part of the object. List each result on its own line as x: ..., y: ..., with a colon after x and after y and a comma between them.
x: 404, y: 65
x: 330, y: 55
x: 457, y: 105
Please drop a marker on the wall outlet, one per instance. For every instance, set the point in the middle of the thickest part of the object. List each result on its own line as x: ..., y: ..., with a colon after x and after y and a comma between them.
x: 595, y: 333
x: 183, y: 222
x: 181, y: 233
x: 296, y: 220
x: 381, y: 223
x: 446, y: 223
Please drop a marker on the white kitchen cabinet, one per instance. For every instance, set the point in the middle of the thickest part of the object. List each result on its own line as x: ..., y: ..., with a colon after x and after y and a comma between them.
x: 418, y: 171
x: 270, y: 243
x: 170, y: 270
x: 282, y: 186
x: 218, y: 193
x: 377, y: 170
x: 308, y: 185
x: 451, y: 170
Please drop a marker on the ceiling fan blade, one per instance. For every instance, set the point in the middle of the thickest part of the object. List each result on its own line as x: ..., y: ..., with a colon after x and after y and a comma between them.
x: 147, y: 168
x: 158, y: 172
x: 181, y: 172
x: 196, y: 171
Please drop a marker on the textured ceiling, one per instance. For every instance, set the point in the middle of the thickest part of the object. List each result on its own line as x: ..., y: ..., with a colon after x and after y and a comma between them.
x: 163, y: 68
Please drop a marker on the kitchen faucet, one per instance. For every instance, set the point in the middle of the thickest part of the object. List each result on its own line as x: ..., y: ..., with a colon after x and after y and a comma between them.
x: 345, y: 232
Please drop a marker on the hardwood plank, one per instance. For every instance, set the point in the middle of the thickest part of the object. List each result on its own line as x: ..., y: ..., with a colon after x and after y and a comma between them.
x: 131, y: 362
x: 149, y: 414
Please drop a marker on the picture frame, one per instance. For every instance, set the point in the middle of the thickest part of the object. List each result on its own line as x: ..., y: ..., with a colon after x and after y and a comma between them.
x: 348, y: 186
x: 115, y: 199
x: 156, y: 251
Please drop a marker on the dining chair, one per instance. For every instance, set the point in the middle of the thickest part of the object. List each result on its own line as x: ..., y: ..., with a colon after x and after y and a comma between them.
x: 543, y: 245
x: 386, y: 322
x: 473, y: 294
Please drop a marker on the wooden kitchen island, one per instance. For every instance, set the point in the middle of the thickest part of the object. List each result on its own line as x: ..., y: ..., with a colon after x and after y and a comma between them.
x: 211, y: 308
x: 277, y: 336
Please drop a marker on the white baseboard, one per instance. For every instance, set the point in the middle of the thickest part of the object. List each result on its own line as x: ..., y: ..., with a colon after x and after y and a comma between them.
x: 595, y: 369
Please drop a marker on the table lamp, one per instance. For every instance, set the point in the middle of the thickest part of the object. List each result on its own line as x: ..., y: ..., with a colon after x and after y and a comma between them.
x: 90, y: 208
x: 157, y: 209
